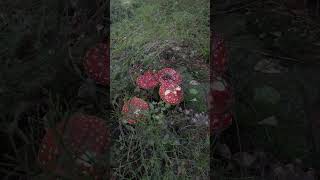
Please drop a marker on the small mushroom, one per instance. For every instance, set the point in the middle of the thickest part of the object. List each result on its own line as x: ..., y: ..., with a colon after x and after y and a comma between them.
x: 97, y: 62
x: 81, y: 134
x: 134, y: 110
x: 219, y: 57
x: 171, y: 93
x: 169, y: 75
x: 221, y: 95
x: 147, y: 81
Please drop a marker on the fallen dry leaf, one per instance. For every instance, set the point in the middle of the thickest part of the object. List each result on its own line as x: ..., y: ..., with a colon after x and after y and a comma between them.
x: 270, y: 121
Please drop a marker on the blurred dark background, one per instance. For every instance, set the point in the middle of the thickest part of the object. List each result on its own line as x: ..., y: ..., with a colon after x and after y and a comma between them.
x: 41, y: 75
x: 273, y: 49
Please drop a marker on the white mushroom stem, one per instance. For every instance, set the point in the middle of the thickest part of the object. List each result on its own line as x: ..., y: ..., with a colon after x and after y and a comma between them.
x: 137, y: 111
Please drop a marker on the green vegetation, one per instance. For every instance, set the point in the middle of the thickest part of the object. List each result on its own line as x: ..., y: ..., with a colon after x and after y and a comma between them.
x: 150, y: 35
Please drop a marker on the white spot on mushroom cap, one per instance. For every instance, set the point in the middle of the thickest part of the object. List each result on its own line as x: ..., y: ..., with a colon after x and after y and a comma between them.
x: 167, y: 92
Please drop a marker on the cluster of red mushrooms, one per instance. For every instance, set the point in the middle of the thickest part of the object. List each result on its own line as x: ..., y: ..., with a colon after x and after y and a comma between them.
x: 221, y: 93
x: 170, y: 92
x: 81, y: 135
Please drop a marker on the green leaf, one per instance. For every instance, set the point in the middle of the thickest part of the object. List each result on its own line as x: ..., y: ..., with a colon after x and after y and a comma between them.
x: 167, y: 106
x: 193, y: 91
x: 269, y: 121
x: 194, y: 100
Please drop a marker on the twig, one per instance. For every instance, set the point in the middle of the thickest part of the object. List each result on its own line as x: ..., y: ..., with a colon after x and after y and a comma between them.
x: 248, y: 4
x: 284, y: 58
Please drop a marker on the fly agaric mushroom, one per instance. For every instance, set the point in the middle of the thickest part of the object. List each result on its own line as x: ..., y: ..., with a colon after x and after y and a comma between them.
x: 87, y: 136
x: 171, y: 93
x: 147, y: 81
x: 97, y: 63
x: 219, y: 57
x: 134, y: 109
x: 169, y: 75
x: 221, y: 95
x: 81, y: 135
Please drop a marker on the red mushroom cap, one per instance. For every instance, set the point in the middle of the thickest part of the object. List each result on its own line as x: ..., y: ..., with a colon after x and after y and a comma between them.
x: 219, y: 122
x: 134, y: 108
x: 48, y: 150
x: 88, y: 136
x: 87, y: 133
x: 97, y: 63
x: 147, y: 81
x: 221, y: 95
x: 82, y: 135
x: 169, y: 75
x: 219, y: 57
x: 171, y: 93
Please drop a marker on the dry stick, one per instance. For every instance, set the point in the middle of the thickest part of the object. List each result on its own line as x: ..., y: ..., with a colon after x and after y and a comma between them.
x: 283, y: 5
x: 293, y: 14
x: 129, y: 149
x: 306, y: 18
x: 237, y: 126
x: 267, y: 54
x: 307, y: 111
x: 74, y: 66
x: 238, y: 8
x: 285, y: 58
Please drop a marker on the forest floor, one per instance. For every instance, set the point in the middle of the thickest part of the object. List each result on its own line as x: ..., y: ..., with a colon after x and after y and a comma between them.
x: 174, y: 142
